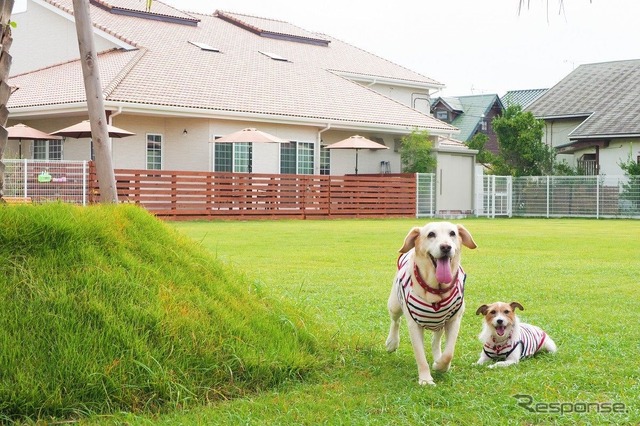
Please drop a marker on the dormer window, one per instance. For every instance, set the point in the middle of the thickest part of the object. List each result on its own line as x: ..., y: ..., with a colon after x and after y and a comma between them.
x: 442, y: 114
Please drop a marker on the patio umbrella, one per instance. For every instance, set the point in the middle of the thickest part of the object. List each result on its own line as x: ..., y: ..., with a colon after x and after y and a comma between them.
x: 22, y: 131
x: 356, y: 142
x: 250, y: 135
x: 83, y: 130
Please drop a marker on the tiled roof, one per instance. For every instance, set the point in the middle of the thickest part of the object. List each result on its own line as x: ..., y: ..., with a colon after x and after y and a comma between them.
x: 521, y: 97
x: 607, y: 93
x: 169, y: 71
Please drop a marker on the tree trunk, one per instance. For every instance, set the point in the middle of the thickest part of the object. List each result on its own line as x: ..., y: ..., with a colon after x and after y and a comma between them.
x: 95, y: 103
x: 5, y: 90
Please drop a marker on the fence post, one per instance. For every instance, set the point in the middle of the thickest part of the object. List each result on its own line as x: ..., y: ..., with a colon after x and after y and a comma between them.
x: 510, y: 196
x: 25, y: 177
x: 84, y: 183
x: 597, y: 197
x: 548, y: 195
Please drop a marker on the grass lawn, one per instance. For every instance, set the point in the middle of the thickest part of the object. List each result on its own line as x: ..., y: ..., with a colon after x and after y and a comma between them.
x: 577, y: 279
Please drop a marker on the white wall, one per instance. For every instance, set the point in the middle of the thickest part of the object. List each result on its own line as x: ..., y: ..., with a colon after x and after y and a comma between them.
x: 194, y: 149
x: 48, y: 37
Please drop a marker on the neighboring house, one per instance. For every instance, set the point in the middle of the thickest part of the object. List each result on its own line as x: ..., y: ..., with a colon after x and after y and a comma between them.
x: 592, y: 116
x: 521, y: 97
x: 470, y: 114
x: 179, y: 80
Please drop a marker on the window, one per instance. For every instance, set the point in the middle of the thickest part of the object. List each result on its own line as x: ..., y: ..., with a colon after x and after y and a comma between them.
x: 296, y: 158
x: 442, y: 114
x: 483, y: 125
x: 47, y: 150
x: 233, y: 157
x: 325, y: 161
x: 154, y: 152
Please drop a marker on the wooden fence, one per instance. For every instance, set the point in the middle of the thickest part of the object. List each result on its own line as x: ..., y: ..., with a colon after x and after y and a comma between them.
x: 183, y: 195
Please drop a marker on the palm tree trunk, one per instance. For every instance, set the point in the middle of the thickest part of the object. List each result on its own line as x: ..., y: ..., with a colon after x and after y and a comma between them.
x: 5, y: 90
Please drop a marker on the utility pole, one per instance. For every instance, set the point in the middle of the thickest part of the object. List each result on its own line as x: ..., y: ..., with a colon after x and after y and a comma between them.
x: 95, y: 103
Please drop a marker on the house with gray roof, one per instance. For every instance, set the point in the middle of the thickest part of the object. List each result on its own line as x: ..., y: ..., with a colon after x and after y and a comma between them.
x: 471, y: 114
x: 180, y: 80
x: 592, y: 116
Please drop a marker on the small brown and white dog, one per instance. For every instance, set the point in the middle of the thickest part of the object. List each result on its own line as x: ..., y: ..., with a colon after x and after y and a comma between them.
x: 428, y: 289
x: 506, y: 339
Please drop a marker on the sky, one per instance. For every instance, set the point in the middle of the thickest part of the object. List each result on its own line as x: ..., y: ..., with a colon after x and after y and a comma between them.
x: 471, y: 46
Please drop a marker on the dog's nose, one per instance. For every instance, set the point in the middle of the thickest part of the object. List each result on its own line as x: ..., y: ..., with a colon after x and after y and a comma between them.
x: 499, y: 321
x: 445, y: 248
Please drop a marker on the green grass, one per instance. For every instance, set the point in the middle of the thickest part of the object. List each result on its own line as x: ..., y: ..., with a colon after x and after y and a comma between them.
x: 578, y: 279
x: 106, y: 309
x: 113, y: 317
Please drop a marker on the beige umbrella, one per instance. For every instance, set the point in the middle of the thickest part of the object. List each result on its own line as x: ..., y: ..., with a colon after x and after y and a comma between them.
x: 356, y: 142
x: 83, y: 130
x: 22, y: 131
x: 250, y: 135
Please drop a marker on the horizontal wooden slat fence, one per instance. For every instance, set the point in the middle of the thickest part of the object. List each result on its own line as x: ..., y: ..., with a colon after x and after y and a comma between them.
x: 185, y: 195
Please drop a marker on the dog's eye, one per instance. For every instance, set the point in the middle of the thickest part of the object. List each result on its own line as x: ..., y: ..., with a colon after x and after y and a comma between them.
x: 493, y: 312
x: 431, y: 234
x: 506, y: 312
x: 452, y: 233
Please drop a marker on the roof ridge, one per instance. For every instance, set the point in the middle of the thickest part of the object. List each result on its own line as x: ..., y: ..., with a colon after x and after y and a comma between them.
x: 113, y: 84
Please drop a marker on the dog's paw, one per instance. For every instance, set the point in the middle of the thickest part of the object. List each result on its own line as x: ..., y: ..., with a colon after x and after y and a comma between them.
x: 443, y: 363
x: 392, y: 344
x: 428, y: 381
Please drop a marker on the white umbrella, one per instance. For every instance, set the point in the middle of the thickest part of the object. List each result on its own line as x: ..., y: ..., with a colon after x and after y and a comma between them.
x: 22, y: 131
x: 250, y: 135
x: 83, y: 130
x: 356, y: 142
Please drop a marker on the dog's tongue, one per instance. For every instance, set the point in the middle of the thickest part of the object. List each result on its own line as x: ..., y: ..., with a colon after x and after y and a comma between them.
x: 500, y: 330
x: 443, y: 270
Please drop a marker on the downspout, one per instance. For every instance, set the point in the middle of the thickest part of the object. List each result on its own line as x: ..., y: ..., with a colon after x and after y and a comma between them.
x: 110, y: 122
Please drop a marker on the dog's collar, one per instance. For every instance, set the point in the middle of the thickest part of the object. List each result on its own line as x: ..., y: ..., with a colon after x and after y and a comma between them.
x: 426, y: 286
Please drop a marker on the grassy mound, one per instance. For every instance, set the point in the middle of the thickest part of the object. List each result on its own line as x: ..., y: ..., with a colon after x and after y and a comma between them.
x: 105, y: 308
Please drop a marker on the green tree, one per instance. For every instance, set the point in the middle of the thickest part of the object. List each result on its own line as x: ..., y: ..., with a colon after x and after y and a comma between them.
x: 484, y: 156
x: 631, y: 189
x: 522, y: 151
x: 416, y: 153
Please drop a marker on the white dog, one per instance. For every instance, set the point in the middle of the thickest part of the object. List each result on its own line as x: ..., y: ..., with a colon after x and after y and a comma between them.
x: 506, y: 339
x: 429, y: 289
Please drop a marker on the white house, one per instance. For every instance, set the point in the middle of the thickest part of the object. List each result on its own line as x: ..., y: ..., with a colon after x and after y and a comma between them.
x: 178, y: 80
x: 592, y: 116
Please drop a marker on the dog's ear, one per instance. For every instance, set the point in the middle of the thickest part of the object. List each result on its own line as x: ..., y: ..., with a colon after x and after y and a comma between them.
x: 482, y: 310
x: 410, y: 240
x: 467, y: 239
x: 515, y: 305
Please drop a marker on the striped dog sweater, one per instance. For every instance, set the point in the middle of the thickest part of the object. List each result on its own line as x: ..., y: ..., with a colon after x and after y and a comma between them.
x: 531, y: 339
x: 428, y: 315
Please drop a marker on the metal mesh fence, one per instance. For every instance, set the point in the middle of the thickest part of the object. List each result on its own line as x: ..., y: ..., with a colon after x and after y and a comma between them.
x: 42, y: 181
x: 562, y: 196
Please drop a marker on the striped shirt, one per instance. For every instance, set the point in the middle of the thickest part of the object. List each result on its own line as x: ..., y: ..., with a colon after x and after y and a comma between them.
x: 428, y: 315
x: 531, y: 340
